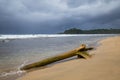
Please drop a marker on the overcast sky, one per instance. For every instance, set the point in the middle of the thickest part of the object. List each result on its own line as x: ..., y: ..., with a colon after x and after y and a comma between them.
x: 52, y: 16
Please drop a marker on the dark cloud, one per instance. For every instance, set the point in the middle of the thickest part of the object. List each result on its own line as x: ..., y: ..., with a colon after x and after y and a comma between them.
x: 77, y: 3
x: 51, y: 16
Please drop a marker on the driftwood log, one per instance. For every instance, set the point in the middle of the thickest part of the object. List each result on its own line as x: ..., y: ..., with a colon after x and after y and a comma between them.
x: 65, y: 55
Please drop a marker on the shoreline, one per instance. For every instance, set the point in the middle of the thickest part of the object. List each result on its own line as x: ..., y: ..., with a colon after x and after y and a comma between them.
x: 100, y: 67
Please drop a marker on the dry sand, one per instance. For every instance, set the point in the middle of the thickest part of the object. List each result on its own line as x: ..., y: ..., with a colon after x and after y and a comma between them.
x: 104, y: 65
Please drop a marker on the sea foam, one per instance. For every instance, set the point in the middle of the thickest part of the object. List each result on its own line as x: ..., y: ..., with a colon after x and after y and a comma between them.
x: 26, y: 36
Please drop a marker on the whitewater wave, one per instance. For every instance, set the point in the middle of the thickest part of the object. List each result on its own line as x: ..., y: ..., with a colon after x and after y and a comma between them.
x: 8, y: 37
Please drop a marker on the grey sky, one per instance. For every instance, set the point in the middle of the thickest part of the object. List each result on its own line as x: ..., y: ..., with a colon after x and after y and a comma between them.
x: 51, y: 16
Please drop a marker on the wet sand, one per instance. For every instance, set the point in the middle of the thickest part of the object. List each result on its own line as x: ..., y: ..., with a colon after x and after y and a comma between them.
x: 104, y: 65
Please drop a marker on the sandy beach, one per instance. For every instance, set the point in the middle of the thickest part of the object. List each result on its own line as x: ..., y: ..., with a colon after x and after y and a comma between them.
x: 104, y: 65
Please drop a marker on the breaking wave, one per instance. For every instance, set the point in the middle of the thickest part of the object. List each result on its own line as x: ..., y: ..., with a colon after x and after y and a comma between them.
x: 8, y: 37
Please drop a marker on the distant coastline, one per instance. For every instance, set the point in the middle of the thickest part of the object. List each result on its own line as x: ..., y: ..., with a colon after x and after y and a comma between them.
x: 93, y: 31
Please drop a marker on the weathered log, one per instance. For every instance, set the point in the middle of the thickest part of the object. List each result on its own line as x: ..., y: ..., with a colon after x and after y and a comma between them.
x: 55, y: 58
x: 83, y: 54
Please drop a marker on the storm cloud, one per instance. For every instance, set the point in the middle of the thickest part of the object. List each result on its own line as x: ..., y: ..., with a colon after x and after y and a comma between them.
x: 52, y: 16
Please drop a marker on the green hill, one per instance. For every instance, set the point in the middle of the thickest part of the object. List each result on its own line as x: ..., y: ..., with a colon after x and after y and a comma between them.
x: 93, y: 31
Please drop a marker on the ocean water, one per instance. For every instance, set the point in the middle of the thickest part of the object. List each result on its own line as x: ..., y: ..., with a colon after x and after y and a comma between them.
x: 19, y: 50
